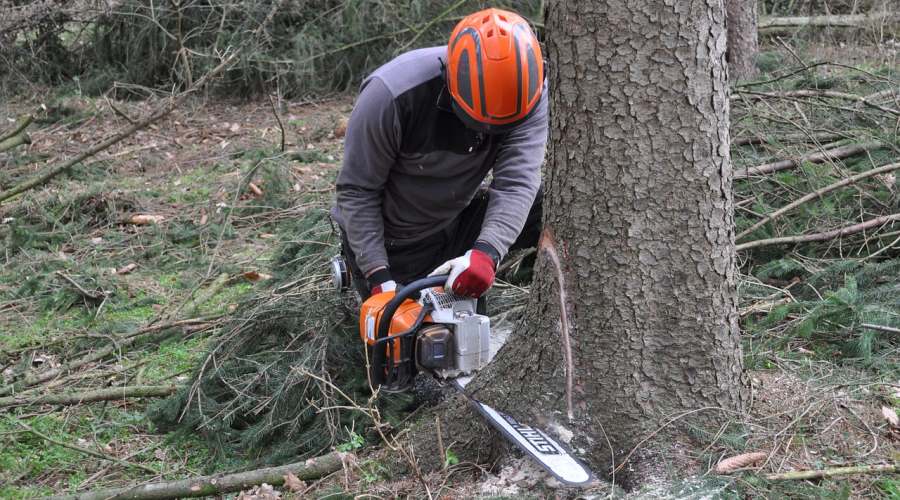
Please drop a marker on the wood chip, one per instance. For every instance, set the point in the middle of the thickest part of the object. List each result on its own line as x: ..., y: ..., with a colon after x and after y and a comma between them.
x: 127, y: 269
x: 891, y: 416
x: 146, y: 219
x: 739, y: 462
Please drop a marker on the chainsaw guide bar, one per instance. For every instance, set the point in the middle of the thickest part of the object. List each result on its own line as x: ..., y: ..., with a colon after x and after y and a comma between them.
x: 546, y: 451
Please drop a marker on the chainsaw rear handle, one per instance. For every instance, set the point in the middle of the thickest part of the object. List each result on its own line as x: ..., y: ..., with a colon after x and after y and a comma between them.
x: 404, y: 293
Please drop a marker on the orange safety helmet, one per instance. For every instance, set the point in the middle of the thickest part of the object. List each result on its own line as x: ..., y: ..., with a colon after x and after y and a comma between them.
x: 495, y: 72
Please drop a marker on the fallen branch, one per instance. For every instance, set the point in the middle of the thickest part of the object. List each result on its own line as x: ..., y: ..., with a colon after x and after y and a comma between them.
x: 85, y: 451
x: 107, y: 394
x: 14, y: 142
x: 833, y: 21
x: 836, y: 471
x: 817, y: 193
x: 118, y: 344
x: 827, y: 235
x: 789, y: 139
x: 881, y: 328
x: 313, y: 468
x: 20, y: 125
x: 160, y: 113
x: 836, y: 153
x: 798, y: 94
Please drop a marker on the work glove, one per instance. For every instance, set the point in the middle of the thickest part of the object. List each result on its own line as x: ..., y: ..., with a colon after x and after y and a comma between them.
x: 471, y: 274
x: 380, y: 281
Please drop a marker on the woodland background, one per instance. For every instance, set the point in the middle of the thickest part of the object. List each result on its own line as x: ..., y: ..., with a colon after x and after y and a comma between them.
x: 165, y: 307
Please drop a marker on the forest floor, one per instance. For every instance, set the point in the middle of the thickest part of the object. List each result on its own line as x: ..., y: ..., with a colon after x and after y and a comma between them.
x: 79, y: 275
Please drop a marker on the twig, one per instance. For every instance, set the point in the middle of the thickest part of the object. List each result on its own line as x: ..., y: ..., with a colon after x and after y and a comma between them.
x: 107, y: 394
x: 836, y: 471
x: 86, y: 451
x: 836, y: 153
x: 817, y: 193
x: 217, y: 484
x: 278, y: 119
x: 827, y: 235
x: 85, y: 293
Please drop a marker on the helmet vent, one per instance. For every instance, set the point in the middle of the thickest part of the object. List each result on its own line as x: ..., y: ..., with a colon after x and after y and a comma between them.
x: 486, y: 19
x: 502, y: 32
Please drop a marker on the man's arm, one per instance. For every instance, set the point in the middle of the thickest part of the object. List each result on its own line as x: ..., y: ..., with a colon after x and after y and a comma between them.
x: 370, y: 149
x: 517, y: 178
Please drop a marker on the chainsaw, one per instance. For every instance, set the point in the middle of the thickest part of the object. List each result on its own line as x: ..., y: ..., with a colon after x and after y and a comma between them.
x: 423, y: 328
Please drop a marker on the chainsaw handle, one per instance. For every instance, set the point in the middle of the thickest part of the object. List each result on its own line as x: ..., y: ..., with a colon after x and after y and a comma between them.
x: 404, y: 293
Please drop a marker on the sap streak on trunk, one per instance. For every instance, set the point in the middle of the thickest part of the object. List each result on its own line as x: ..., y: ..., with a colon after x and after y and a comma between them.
x: 639, y: 198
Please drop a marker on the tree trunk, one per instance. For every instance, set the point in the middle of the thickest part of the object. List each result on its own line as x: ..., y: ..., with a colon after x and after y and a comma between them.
x: 743, y: 46
x: 638, y: 241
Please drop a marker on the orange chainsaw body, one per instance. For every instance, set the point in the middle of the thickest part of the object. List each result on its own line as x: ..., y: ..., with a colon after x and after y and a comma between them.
x: 404, y: 319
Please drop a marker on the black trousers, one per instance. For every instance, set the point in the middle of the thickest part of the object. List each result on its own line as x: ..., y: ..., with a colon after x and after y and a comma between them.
x: 410, y: 261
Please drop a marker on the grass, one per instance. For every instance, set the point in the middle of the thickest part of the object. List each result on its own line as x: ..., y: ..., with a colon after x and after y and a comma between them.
x: 802, y: 306
x: 73, y: 226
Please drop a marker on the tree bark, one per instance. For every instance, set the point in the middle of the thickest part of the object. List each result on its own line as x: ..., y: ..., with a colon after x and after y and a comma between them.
x: 632, y: 319
x: 743, y: 45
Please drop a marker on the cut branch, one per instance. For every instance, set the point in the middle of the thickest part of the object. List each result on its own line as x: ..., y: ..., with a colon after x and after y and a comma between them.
x: 14, y: 141
x: 85, y: 451
x: 789, y: 139
x: 836, y: 471
x: 162, y: 111
x: 834, y: 21
x: 107, y: 394
x: 880, y: 328
x: 824, y: 236
x: 836, y: 153
x: 829, y: 94
x: 313, y: 468
x: 20, y: 126
x: 818, y: 193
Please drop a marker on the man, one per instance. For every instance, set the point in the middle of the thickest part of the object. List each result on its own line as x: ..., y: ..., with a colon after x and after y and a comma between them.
x: 425, y: 131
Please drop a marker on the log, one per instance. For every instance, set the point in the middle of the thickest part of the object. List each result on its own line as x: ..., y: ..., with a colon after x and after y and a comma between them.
x: 20, y: 126
x: 824, y: 236
x: 313, y: 468
x: 836, y: 153
x: 836, y: 471
x: 817, y: 193
x: 106, y: 394
x: 833, y: 21
x: 14, y: 141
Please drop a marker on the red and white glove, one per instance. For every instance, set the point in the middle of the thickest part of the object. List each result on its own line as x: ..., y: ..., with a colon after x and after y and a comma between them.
x: 380, y: 281
x: 471, y: 275
x: 387, y: 286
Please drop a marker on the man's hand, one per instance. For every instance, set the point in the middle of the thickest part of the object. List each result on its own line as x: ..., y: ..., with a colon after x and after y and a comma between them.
x: 380, y: 281
x: 387, y: 286
x: 471, y: 275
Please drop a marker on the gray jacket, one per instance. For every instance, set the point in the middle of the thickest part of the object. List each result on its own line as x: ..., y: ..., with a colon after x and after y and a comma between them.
x: 411, y: 166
